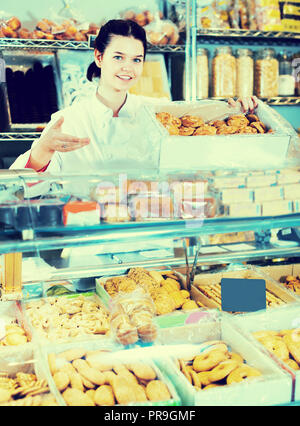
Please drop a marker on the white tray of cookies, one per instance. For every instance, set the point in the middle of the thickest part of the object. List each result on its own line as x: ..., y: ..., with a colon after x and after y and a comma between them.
x: 277, y: 334
x: 65, y: 318
x: 225, y: 369
x: 23, y: 379
x: 207, y: 146
x: 98, y: 374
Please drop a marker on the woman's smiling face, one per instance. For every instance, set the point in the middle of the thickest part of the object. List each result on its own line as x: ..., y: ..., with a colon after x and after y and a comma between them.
x: 122, y: 63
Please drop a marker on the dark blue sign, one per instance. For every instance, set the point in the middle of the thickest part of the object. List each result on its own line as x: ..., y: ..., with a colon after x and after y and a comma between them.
x: 243, y: 295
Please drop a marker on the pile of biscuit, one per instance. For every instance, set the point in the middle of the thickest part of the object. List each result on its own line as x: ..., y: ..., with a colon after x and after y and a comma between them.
x: 14, y: 335
x: 47, y: 29
x: 216, y: 366
x: 213, y: 292
x: 190, y: 125
x: 284, y: 344
x: 56, y: 318
x: 92, y: 378
x: 292, y: 283
x: 24, y: 390
x: 163, y: 286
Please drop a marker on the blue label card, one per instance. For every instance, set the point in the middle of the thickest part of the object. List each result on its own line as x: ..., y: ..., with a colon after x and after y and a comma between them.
x: 243, y: 295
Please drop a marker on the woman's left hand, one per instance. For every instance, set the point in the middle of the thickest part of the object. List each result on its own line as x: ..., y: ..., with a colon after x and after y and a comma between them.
x: 248, y: 103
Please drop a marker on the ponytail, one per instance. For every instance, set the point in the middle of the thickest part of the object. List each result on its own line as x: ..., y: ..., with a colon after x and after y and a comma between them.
x: 93, y: 71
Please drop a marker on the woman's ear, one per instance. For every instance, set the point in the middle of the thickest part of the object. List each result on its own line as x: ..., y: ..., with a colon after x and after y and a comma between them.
x: 98, y: 58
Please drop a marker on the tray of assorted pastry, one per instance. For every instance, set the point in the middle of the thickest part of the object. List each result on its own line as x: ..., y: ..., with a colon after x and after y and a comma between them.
x: 286, y: 275
x: 209, y: 289
x: 221, y: 136
x: 173, y: 305
x: 23, y: 380
x: 277, y: 334
x: 223, y: 368
x: 66, y: 317
x: 94, y: 374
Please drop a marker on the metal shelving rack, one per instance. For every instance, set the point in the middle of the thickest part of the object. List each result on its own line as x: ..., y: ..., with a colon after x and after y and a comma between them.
x: 210, y: 36
x: 217, y: 36
x: 19, y: 136
x: 53, y: 45
x: 278, y: 100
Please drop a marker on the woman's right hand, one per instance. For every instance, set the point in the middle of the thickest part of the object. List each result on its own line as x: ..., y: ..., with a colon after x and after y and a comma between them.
x: 53, y: 140
x: 56, y: 140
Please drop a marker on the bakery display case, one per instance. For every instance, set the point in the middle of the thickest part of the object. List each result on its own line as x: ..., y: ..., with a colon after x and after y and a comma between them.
x: 115, y: 266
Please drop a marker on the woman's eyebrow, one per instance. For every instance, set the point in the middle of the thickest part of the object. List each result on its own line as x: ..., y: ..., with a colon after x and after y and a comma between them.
x: 122, y: 53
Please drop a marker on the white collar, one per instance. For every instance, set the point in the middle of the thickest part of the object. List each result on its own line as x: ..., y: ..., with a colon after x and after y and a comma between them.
x: 128, y: 109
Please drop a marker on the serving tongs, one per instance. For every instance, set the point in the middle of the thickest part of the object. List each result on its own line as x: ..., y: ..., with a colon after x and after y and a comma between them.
x: 190, y: 273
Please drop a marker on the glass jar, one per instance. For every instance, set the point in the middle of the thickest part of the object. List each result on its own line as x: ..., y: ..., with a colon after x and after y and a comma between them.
x: 244, y: 72
x: 266, y: 74
x: 224, y: 73
x: 202, y: 75
x: 286, y: 82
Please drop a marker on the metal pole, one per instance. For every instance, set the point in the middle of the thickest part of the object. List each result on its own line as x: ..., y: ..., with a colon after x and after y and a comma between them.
x: 194, y: 51
x: 188, y: 94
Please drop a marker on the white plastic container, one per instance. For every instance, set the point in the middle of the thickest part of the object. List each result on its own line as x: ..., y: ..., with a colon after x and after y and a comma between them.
x: 239, y: 151
x: 284, y: 318
x: 272, y: 388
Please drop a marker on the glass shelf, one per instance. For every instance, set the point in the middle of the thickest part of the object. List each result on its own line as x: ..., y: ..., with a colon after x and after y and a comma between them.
x: 254, y: 253
x: 70, y: 236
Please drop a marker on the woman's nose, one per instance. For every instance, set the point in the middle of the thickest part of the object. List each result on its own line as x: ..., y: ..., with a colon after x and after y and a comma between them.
x: 126, y: 66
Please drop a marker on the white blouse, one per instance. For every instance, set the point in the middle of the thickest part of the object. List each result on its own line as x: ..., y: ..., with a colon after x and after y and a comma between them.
x: 129, y: 141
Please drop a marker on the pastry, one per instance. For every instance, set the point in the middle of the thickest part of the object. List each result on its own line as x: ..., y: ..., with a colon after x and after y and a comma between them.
x: 186, y: 131
x: 259, y: 126
x: 227, y: 130
x: 217, y: 123
x: 238, y: 121
x: 191, y: 121
x: 252, y: 118
x: 76, y: 398
x: 248, y: 130
x: 156, y: 390
x: 104, y: 396
x: 205, y: 129
x: 164, y: 118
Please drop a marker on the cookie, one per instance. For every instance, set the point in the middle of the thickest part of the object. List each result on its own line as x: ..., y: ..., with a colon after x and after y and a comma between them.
x: 156, y: 390
x: 76, y: 398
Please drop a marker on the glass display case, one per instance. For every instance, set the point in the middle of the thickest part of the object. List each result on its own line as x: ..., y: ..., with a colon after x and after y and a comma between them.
x: 80, y: 227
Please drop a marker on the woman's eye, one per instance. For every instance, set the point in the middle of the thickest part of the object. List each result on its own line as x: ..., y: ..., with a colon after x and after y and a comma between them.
x: 137, y: 60
x: 118, y: 57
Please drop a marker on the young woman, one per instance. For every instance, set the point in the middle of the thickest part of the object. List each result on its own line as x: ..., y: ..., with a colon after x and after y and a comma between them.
x: 111, y: 129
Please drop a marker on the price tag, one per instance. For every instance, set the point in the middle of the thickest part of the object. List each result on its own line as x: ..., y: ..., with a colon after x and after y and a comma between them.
x: 243, y: 295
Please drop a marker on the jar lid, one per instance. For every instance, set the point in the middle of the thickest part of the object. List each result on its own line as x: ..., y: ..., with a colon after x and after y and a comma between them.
x: 266, y: 53
x: 244, y: 52
x: 202, y: 51
x: 223, y: 49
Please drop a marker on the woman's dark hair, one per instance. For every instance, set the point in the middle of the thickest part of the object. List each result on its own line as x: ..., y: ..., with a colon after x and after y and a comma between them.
x: 120, y: 27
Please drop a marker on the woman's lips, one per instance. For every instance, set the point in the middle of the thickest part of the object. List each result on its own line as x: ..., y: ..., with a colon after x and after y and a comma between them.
x: 125, y: 77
